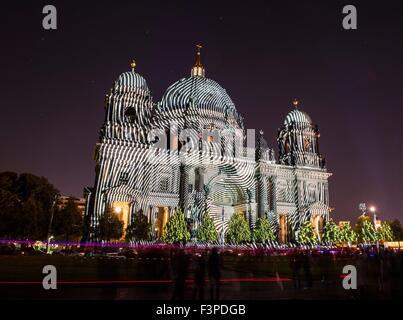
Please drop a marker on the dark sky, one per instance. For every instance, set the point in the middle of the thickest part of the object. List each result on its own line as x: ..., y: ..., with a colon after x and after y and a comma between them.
x: 264, y: 53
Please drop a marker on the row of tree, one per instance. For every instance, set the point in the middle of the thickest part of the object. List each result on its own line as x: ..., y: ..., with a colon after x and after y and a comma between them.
x: 177, y: 229
x: 238, y: 229
x: 364, y: 232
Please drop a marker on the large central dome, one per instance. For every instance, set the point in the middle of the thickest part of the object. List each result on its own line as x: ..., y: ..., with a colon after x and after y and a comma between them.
x: 202, y: 92
x: 198, y: 100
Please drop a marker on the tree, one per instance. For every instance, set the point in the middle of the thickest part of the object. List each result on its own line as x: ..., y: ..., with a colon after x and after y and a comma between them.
x: 139, y: 229
x: 110, y: 226
x: 238, y: 229
x: 206, y: 230
x: 397, y: 229
x: 384, y: 233
x: 25, y: 205
x: 331, y: 232
x: 10, y: 212
x: 306, y: 234
x: 68, y: 221
x: 263, y: 231
x: 347, y: 234
x: 368, y: 233
x: 176, y: 229
x: 360, y: 223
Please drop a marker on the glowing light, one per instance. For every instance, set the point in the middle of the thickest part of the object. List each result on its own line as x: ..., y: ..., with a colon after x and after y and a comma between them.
x: 372, y: 209
x: 118, y: 209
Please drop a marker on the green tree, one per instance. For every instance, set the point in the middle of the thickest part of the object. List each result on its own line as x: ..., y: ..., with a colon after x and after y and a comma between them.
x: 263, y: 231
x: 331, y: 232
x: 347, y: 234
x: 176, y: 229
x: 139, y: 229
x: 306, y: 234
x: 10, y: 214
x: 360, y: 223
x: 397, y: 229
x: 384, y: 233
x: 368, y: 233
x: 206, y: 230
x: 110, y: 227
x: 68, y: 221
x: 238, y: 229
x: 25, y: 205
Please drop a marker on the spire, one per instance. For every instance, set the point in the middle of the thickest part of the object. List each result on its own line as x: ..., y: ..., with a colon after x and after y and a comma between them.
x: 198, y: 69
x: 133, y: 64
x: 198, y: 48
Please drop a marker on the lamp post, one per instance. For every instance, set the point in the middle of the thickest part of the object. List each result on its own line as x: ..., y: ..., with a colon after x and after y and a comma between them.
x: 373, y: 210
x: 52, y: 212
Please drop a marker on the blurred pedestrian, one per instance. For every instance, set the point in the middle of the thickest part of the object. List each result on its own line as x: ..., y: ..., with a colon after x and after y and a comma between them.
x: 295, y: 265
x: 214, y: 265
x: 307, y: 269
x: 180, y: 272
x: 200, y: 274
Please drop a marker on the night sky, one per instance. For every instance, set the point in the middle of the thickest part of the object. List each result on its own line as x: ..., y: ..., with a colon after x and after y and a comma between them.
x: 264, y: 53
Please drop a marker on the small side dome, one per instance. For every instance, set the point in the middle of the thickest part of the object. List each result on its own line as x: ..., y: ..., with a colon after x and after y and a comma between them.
x: 297, y: 116
x: 130, y: 81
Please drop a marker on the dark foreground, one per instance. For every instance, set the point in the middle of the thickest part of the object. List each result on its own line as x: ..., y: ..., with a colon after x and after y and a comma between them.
x: 181, y: 274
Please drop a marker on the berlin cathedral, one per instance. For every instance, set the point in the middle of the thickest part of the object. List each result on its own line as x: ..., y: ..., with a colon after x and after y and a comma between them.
x: 191, y: 151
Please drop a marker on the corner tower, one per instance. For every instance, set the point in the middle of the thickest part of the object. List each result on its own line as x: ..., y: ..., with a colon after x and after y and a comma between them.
x: 298, y: 140
x: 123, y: 140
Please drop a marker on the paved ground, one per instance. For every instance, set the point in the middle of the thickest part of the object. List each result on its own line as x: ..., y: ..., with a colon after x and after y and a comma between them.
x: 152, y: 277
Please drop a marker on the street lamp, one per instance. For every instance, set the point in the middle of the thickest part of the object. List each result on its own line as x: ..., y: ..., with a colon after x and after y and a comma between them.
x: 373, y: 210
x: 50, y: 222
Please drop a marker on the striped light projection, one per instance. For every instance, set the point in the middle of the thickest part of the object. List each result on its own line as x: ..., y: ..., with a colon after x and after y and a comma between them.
x: 191, y: 151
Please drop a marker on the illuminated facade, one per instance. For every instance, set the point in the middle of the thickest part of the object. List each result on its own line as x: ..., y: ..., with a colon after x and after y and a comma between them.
x: 191, y: 151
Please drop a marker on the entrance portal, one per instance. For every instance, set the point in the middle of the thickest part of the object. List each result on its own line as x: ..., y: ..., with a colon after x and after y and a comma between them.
x: 162, y: 220
x: 283, y: 232
x: 317, y: 222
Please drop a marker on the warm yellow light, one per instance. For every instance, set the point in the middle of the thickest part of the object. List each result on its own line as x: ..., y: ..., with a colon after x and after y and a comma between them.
x: 372, y: 209
x: 118, y: 209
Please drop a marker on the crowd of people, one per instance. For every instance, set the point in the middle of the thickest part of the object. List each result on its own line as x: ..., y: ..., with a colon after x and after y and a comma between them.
x: 198, y: 273
x: 379, y: 271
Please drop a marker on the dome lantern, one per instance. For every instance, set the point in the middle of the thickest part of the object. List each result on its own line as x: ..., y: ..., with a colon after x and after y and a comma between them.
x: 133, y: 64
x: 198, y: 69
x: 295, y: 103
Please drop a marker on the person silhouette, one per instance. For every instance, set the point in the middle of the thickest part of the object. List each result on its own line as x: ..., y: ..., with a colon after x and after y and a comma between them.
x: 295, y: 265
x: 180, y: 271
x: 214, y: 274
x: 307, y: 269
x: 200, y: 273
